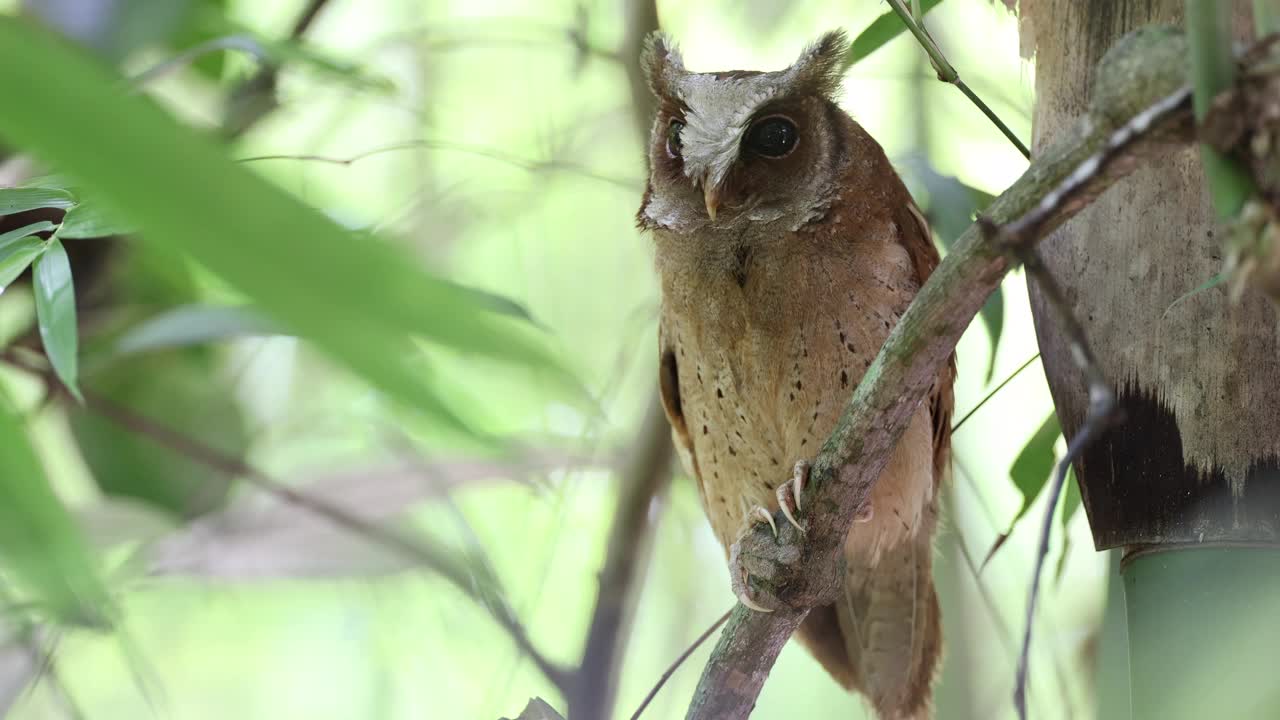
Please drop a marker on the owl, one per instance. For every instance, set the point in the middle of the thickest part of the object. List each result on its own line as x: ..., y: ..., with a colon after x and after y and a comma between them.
x: 787, y: 247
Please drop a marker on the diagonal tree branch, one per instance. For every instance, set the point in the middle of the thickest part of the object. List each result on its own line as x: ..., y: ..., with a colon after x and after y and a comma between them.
x: 1140, y: 96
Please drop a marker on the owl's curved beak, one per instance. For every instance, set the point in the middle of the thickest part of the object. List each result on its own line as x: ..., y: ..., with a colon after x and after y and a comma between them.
x: 711, y: 195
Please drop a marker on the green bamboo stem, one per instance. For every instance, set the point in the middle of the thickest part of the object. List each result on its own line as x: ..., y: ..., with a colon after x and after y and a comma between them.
x: 1266, y: 17
x: 1213, y: 70
x: 1203, y: 640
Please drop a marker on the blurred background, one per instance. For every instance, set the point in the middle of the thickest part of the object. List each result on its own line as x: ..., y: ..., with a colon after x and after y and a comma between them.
x: 497, y: 142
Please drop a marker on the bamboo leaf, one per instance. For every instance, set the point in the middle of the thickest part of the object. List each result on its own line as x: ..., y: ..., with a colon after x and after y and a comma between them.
x: 18, y: 249
x: 193, y: 325
x: 1031, y: 469
x: 951, y: 209
x: 56, y: 313
x: 39, y: 542
x: 880, y: 32
x: 358, y: 299
x: 22, y: 199
x: 1070, y: 504
x: 90, y: 220
x: 992, y: 314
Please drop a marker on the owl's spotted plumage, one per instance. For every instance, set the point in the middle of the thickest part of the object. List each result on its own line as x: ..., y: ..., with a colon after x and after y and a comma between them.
x: 787, y: 248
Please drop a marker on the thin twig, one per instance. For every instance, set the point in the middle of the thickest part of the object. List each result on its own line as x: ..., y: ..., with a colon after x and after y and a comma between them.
x: 489, y: 153
x: 892, y: 389
x: 948, y: 74
x: 995, y: 390
x: 481, y: 589
x: 307, y: 18
x: 244, y: 43
x: 1102, y: 404
x: 254, y: 99
x: 666, y: 674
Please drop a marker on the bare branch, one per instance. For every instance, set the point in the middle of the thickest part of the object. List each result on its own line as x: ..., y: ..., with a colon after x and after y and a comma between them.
x: 482, y: 589
x: 1138, y: 75
x: 1102, y: 406
x: 533, y: 166
x: 666, y: 674
x: 472, y: 581
x: 596, y: 682
x: 642, y: 484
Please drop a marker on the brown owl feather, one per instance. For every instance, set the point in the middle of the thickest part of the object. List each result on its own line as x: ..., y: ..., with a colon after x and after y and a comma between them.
x: 787, y: 248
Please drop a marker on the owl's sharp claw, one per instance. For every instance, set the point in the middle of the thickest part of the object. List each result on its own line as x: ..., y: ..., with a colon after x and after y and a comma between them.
x: 799, y: 476
x: 865, y: 513
x: 751, y: 605
x: 759, y: 515
x: 743, y: 591
x: 788, y: 496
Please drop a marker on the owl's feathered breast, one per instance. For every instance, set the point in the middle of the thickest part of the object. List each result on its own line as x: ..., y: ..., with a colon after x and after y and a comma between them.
x: 770, y: 337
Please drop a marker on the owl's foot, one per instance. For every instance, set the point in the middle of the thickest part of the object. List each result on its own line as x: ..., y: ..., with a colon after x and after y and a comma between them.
x: 765, y: 568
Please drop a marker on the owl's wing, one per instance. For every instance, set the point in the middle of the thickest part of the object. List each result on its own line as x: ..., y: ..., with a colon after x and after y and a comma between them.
x: 917, y: 238
x: 669, y: 388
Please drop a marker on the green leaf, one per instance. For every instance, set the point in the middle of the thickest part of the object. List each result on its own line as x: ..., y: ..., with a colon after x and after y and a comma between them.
x: 21, y: 233
x: 203, y: 24
x: 90, y: 220
x: 22, y: 199
x: 192, y: 325
x: 18, y: 249
x: 360, y: 300
x: 951, y: 209
x: 883, y: 29
x: 992, y: 314
x: 1209, y: 284
x: 39, y: 542
x: 56, y: 312
x: 1031, y: 468
x: 182, y: 392
x: 1070, y: 497
x: 1070, y: 504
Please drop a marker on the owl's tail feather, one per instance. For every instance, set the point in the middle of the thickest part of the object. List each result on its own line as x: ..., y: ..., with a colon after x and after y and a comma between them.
x: 884, y: 640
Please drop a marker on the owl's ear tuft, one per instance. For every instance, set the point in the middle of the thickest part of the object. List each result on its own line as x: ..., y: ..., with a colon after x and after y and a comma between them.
x: 662, y: 64
x: 822, y: 64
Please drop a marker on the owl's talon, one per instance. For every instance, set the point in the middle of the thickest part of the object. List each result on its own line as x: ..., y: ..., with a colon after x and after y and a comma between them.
x: 744, y: 596
x: 799, y: 476
x: 783, y: 499
x: 759, y: 515
x: 865, y: 513
x: 751, y: 605
x: 788, y: 494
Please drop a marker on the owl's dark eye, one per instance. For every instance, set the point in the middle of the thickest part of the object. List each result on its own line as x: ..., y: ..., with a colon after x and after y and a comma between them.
x: 772, y: 137
x: 673, y: 138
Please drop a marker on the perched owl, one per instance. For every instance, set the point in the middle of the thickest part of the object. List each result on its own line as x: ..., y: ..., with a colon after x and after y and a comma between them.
x: 787, y: 248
